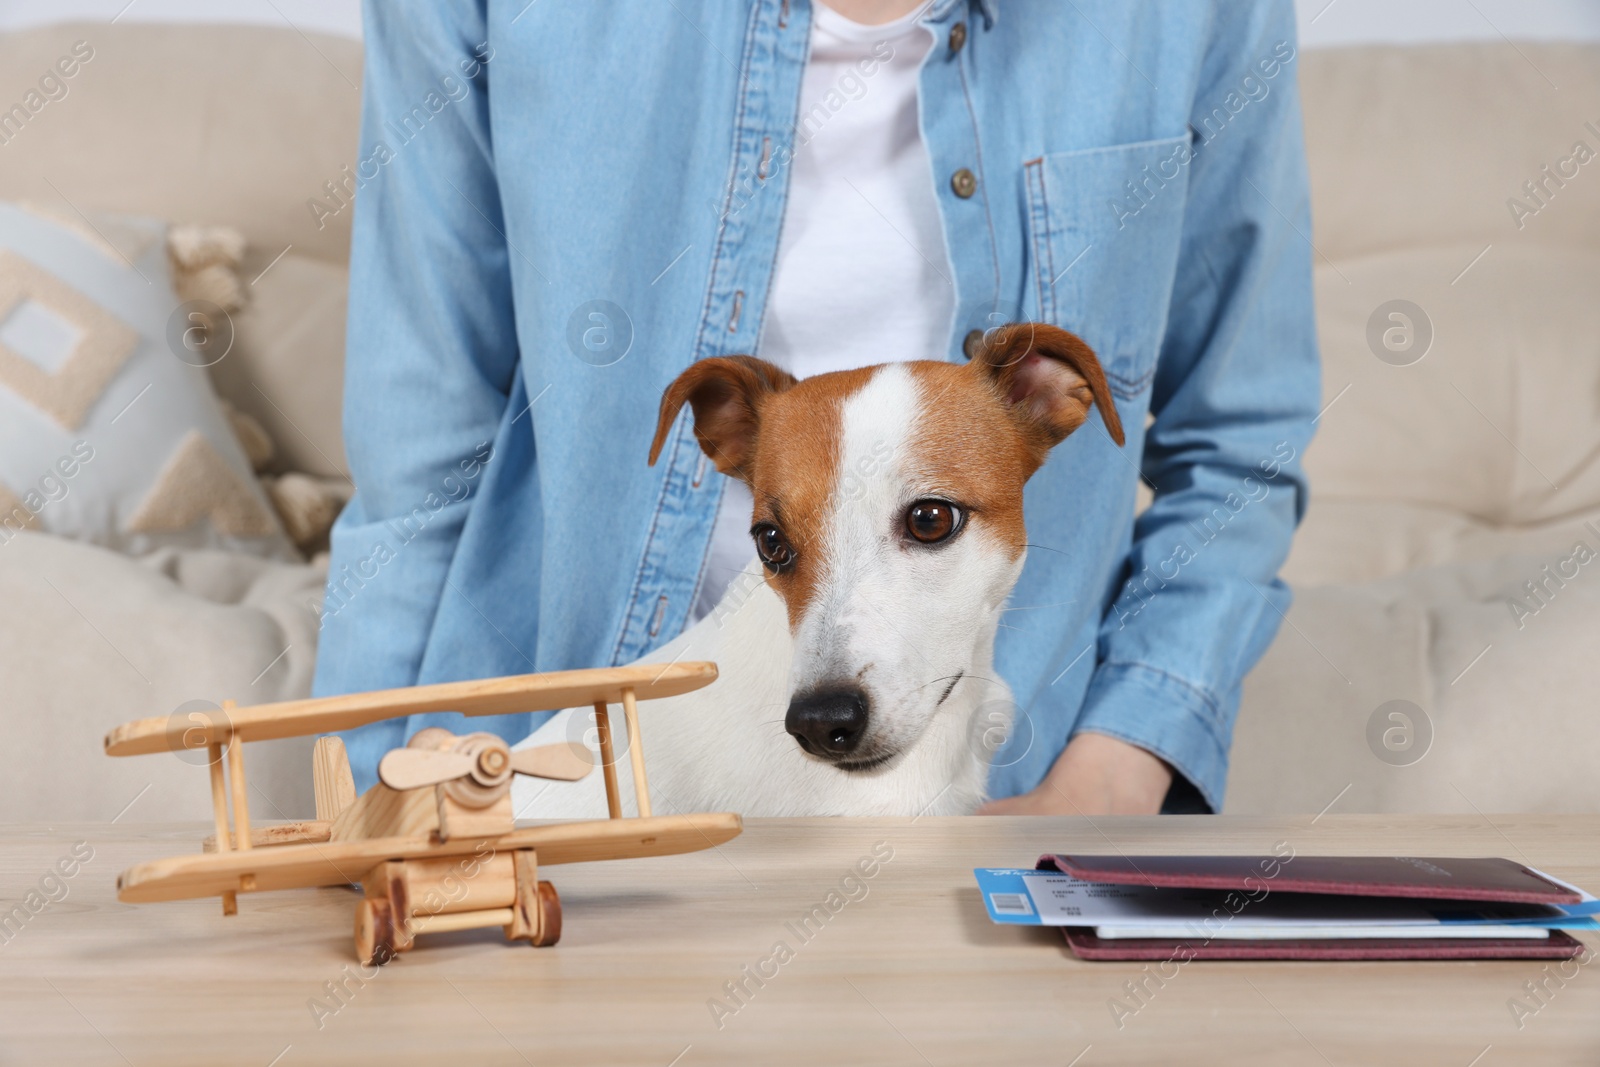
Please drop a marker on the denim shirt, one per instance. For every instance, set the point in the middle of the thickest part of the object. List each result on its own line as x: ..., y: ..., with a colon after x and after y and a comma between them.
x: 559, y: 206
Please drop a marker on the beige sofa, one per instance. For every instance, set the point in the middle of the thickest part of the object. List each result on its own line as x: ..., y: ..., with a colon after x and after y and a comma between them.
x: 1440, y: 487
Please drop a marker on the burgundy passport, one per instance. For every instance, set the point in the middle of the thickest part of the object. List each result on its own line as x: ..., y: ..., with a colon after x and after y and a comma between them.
x: 1481, y: 878
x: 1476, y: 879
x: 1560, y: 945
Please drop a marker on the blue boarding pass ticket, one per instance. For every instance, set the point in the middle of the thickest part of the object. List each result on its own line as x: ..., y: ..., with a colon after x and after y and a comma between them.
x: 1005, y: 894
x: 1029, y: 897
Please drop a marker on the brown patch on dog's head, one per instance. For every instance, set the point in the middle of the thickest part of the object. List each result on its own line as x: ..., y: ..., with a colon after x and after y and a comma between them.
x: 781, y: 437
x: 986, y: 427
x: 796, y: 476
x: 966, y: 447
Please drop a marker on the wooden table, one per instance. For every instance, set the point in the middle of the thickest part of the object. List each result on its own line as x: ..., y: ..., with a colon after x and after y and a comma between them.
x: 906, y: 968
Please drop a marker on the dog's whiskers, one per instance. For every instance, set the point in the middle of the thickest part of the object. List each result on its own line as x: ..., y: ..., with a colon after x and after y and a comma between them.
x: 1038, y: 607
x: 942, y: 678
x: 989, y: 680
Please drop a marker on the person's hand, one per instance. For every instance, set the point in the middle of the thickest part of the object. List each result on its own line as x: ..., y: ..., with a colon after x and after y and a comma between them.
x: 1094, y: 775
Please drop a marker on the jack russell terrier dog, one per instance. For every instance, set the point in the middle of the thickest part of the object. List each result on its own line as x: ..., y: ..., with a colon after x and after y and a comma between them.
x: 856, y: 673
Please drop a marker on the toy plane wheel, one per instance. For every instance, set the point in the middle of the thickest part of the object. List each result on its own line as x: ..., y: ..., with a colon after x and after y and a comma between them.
x: 375, y: 932
x: 549, y: 917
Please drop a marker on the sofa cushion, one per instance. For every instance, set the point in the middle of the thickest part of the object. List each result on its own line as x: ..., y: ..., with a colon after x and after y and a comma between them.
x: 1358, y: 541
x: 1495, y: 428
x: 1506, y: 692
x: 90, y: 639
x: 287, y: 366
x: 109, y: 431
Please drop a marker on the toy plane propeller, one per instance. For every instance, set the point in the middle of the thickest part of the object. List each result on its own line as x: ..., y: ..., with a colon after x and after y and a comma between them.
x: 434, y: 844
x: 488, y: 764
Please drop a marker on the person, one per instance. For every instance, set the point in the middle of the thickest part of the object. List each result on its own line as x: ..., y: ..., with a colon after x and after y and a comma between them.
x: 561, y: 206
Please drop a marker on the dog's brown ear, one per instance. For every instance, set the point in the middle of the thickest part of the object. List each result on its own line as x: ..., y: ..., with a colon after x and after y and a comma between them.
x: 726, y: 394
x: 1049, y: 377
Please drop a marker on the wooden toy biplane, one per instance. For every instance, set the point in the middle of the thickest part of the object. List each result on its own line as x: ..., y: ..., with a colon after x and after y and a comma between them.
x: 434, y: 844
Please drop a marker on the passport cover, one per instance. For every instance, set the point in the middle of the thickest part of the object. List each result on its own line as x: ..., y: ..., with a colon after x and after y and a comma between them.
x: 1558, y: 946
x: 1450, y: 878
x: 1477, y: 878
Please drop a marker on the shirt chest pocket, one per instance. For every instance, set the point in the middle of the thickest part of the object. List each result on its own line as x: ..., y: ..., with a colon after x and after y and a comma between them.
x: 1104, y: 225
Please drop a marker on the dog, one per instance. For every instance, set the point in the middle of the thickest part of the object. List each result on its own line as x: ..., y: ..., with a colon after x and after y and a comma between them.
x: 856, y: 652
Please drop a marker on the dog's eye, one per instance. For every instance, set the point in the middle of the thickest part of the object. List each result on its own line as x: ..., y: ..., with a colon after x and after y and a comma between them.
x: 773, y: 548
x: 932, y: 521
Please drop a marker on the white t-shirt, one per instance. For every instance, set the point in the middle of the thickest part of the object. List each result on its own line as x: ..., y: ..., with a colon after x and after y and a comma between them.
x: 862, y: 274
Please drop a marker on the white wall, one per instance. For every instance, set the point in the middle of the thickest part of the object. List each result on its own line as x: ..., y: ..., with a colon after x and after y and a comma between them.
x: 1340, y: 22
x: 1322, y: 23
x: 325, y: 16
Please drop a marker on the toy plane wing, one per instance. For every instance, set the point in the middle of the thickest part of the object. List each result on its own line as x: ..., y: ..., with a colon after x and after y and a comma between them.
x: 490, y: 696
x: 304, y: 866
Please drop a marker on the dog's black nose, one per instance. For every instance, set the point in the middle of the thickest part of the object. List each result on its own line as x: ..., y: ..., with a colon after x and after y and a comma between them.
x: 830, y: 723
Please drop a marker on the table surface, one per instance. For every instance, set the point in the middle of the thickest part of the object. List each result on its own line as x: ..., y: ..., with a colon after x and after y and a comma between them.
x: 905, y: 969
